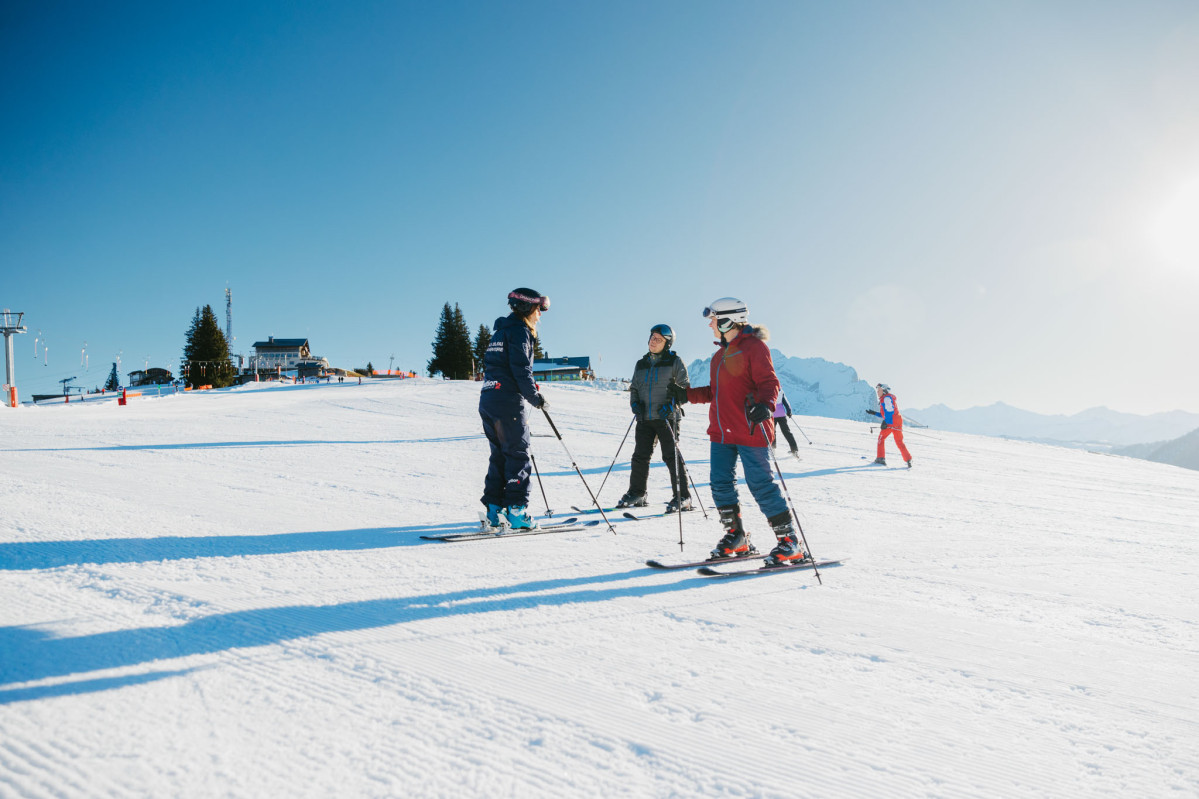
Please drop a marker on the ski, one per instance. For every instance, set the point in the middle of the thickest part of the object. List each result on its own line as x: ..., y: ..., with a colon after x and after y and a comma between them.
x: 565, y: 525
x: 581, y: 511
x: 707, y: 571
x: 643, y: 517
x: 657, y: 564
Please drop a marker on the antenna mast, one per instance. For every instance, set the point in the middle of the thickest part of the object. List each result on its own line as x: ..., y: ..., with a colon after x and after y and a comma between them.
x: 229, y: 316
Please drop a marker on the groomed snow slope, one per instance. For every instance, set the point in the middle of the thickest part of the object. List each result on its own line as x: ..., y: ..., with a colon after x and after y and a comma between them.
x: 226, y: 594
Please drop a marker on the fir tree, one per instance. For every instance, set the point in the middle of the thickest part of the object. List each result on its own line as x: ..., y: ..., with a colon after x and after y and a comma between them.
x: 538, y: 353
x: 114, y: 380
x: 482, y: 339
x: 206, y: 352
x: 451, y: 347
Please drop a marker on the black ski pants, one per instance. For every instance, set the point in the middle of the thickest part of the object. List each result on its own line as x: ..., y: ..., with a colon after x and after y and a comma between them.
x: 649, y: 431
x: 780, y: 423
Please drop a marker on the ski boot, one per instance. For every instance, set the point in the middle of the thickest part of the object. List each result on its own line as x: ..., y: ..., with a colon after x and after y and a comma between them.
x: 736, y: 543
x: 795, y: 454
x: 519, y: 518
x: 880, y: 461
x: 909, y: 463
x: 494, y: 519
x: 631, y: 500
x: 674, y: 505
x: 789, y: 549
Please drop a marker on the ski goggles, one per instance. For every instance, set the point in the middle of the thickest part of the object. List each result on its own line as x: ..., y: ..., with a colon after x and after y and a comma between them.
x: 710, y: 312
x: 539, y: 302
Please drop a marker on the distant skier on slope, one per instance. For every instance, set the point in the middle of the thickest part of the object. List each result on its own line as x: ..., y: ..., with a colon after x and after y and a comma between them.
x: 658, y: 418
x: 892, y: 424
x: 507, y: 385
x: 782, y: 412
x: 743, y: 391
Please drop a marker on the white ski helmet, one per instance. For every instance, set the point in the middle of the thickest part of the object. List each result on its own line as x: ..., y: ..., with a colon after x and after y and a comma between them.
x: 728, y: 312
x: 883, y: 387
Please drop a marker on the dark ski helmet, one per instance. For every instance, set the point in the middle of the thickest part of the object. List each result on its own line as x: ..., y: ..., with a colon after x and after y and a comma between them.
x: 665, y: 332
x: 525, y: 301
x: 728, y: 312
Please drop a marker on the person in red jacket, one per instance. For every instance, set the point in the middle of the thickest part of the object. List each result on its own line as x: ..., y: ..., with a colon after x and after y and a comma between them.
x: 892, y: 425
x: 743, y: 391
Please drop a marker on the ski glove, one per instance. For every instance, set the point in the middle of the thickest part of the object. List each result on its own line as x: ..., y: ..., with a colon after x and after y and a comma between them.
x: 757, y: 413
x: 637, y: 409
x: 885, y: 426
x: 874, y: 413
x: 676, y: 393
x: 665, y: 411
x: 542, y: 403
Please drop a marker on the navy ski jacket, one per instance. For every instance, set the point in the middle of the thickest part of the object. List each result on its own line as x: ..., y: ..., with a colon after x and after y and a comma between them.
x: 508, y: 362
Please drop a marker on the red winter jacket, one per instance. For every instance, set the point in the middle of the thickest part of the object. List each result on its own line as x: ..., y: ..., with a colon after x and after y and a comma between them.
x: 742, y: 368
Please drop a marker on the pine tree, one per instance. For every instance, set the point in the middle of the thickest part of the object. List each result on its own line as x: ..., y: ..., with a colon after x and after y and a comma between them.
x: 206, y: 352
x: 114, y: 380
x: 451, y: 347
x: 463, y: 361
x: 482, y: 339
x: 538, y: 353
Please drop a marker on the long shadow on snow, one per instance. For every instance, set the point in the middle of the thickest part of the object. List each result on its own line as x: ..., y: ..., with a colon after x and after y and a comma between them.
x: 246, y: 444
x: 26, y: 555
x: 80, y: 687
x: 30, y: 654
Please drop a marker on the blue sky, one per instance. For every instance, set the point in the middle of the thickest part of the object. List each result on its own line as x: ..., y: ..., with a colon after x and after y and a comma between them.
x: 971, y: 201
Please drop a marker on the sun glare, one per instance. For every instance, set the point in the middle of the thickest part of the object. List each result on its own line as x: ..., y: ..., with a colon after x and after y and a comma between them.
x: 1174, y: 231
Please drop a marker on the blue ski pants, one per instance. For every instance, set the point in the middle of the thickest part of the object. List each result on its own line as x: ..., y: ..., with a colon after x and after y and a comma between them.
x: 756, y: 462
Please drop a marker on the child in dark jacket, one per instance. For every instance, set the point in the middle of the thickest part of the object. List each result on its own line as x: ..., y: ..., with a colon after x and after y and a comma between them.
x: 657, y: 420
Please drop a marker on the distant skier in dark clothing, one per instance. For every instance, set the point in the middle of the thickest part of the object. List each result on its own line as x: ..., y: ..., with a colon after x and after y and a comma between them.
x: 892, y: 425
x: 507, y: 386
x: 657, y: 420
x: 743, y: 390
x: 782, y: 412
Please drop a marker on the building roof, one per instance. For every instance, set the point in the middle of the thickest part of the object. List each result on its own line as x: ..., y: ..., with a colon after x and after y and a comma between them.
x: 281, y: 343
x: 582, y: 363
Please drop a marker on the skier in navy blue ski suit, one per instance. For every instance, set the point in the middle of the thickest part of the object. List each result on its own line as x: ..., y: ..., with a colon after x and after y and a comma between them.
x: 507, y: 385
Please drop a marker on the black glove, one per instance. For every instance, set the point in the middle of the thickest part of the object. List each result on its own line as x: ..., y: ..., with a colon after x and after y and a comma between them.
x: 885, y: 425
x: 676, y: 393
x: 757, y: 413
x: 638, y: 409
x: 542, y: 403
x: 874, y: 413
x: 666, y: 411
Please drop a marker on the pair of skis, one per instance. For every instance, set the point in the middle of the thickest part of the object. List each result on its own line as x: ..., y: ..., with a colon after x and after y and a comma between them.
x: 487, y: 532
x: 704, y: 567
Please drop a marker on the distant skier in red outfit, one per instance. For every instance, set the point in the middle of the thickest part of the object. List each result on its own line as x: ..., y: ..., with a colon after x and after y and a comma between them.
x: 892, y: 424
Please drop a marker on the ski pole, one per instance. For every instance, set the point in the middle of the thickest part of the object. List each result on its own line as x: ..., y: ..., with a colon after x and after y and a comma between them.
x: 541, y: 485
x: 578, y: 471
x: 686, y: 468
x: 791, y: 505
x: 800, y: 429
x: 678, y: 503
x: 617, y: 455
x: 913, y: 433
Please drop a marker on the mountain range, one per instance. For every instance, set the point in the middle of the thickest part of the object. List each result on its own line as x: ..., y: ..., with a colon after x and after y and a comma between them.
x: 816, y: 387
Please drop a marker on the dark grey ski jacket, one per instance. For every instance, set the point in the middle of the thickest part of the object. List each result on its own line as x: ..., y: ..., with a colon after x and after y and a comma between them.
x: 651, y: 376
